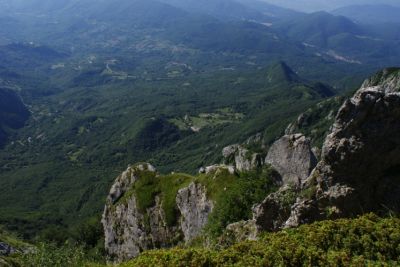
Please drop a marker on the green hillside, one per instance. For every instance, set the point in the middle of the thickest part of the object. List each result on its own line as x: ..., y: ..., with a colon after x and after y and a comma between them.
x: 113, y: 83
x: 82, y: 138
x: 13, y: 113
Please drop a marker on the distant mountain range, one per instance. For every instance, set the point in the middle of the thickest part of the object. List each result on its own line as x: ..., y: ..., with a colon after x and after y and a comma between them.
x: 317, y: 5
x: 370, y: 14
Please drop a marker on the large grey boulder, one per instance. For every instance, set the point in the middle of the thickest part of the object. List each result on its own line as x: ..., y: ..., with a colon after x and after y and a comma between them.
x: 292, y: 157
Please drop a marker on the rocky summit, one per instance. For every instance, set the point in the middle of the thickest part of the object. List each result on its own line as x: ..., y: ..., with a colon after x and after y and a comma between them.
x: 358, y: 170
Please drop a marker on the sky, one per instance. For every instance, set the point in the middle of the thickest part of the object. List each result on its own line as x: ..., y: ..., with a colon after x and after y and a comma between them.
x: 328, y: 5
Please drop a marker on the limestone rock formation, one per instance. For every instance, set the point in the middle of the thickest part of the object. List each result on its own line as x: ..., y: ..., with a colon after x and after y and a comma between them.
x: 241, y: 158
x: 129, y: 230
x: 359, y: 167
x: 360, y: 161
x: 194, y: 208
x: 292, y: 157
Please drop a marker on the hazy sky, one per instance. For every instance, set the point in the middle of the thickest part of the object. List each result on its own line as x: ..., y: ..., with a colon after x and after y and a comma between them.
x: 315, y: 5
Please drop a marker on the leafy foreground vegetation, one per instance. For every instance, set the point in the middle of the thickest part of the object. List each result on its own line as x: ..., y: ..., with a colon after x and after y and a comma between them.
x: 365, y: 241
x: 83, y: 246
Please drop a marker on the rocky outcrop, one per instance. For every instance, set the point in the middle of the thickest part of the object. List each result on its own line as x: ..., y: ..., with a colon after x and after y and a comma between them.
x: 272, y: 213
x: 194, y: 208
x: 359, y: 170
x: 126, y: 180
x: 292, y: 157
x: 129, y: 229
x: 242, y: 158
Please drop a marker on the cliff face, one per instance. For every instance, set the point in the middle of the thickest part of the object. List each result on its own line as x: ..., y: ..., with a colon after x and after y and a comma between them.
x: 130, y: 230
x: 194, y: 208
x: 359, y: 167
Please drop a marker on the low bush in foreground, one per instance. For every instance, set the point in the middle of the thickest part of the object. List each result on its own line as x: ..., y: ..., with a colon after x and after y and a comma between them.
x: 365, y: 241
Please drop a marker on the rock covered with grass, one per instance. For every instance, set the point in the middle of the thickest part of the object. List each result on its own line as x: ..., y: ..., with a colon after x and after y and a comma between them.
x: 145, y: 210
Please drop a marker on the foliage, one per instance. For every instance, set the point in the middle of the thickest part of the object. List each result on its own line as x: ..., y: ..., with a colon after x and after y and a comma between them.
x: 12, y: 239
x: 47, y: 255
x: 84, y: 246
x: 234, y: 196
x: 79, y: 146
x: 367, y: 240
x: 89, y: 234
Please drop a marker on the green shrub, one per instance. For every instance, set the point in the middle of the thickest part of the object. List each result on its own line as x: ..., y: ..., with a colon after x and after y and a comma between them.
x: 48, y: 255
x: 235, y: 195
x: 365, y: 241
